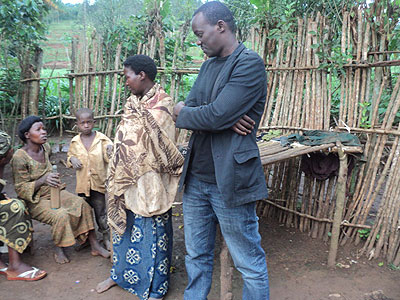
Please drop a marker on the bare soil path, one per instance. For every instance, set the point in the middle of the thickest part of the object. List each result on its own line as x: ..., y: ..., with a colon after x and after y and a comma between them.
x: 297, y: 267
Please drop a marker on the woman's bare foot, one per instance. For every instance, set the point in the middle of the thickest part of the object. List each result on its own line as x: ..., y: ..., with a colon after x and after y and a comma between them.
x: 60, y: 256
x: 16, y: 269
x: 105, y: 285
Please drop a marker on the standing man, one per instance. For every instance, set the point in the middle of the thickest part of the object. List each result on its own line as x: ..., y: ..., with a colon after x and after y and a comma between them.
x: 223, y: 175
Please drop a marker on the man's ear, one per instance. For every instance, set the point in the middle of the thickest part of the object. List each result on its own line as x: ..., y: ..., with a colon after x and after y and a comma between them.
x: 142, y: 75
x: 221, y: 26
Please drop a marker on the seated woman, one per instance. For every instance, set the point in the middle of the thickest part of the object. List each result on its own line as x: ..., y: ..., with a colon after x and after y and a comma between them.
x: 15, y: 225
x: 33, y: 179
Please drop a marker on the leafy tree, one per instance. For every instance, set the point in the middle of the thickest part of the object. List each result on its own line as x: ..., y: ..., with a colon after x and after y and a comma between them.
x: 245, y: 16
x: 62, y: 11
x: 21, y: 22
x: 21, y: 30
x: 106, y: 14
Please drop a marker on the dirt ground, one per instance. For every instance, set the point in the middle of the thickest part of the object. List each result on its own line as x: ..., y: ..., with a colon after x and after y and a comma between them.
x: 296, y: 263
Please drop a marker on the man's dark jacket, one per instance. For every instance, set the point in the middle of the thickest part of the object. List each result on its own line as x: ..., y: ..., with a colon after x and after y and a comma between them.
x: 240, y: 89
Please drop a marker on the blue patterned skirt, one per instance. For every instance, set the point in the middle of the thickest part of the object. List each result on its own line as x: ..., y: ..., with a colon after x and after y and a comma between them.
x: 142, y: 255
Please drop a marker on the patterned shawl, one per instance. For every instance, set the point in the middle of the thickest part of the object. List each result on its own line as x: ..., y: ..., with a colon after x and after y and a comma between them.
x: 144, y: 144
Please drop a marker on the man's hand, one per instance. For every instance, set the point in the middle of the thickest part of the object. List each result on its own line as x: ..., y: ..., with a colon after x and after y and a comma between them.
x: 109, y: 150
x: 177, y: 110
x: 75, y: 162
x: 244, y: 126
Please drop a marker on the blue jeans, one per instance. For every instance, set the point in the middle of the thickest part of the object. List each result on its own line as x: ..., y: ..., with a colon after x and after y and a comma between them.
x: 203, y: 209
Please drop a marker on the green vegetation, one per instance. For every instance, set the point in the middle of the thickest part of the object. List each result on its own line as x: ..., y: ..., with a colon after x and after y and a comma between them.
x: 56, y: 91
x: 393, y: 267
x: 364, y: 233
x: 27, y: 26
x: 22, y: 28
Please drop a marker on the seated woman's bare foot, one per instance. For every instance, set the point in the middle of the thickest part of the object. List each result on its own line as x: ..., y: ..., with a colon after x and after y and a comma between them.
x: 60, y: 256
x: 98, y: 250
x: 105, y: 285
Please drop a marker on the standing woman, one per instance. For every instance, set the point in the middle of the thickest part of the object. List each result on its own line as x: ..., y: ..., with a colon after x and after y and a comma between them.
x: 33, y: 178
x: 142, y: 184
x: 15, y: 225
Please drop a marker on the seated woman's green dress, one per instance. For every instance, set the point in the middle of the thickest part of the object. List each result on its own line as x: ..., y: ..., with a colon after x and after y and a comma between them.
x: 15, y: 223
x: 73, y: 220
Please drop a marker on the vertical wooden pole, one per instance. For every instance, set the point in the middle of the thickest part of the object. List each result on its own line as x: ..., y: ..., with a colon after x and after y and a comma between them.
x: 340, y: 197
x: 60, y: 107
x: 114, y: 92
x: 44, y: 103
x: 71, y: 96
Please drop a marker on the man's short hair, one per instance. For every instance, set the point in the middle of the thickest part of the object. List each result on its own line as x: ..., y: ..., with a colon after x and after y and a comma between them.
x: 84, y: 110
x: 215, y: 11
x: 139, y: 63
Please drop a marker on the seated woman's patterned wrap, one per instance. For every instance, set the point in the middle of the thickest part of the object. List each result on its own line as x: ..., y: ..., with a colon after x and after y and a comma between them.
x: 15, y: 222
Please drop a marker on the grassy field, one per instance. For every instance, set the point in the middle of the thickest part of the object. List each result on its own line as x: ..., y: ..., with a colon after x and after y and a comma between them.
x: 57, y: 47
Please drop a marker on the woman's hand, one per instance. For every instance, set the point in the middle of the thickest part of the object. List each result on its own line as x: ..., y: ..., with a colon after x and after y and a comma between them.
x: 3, y: 162
x: 6, y: 158
x: 52, y: 179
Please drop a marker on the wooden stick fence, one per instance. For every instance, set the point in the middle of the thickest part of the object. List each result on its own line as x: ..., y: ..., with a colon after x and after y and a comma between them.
x: 300, y: 96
